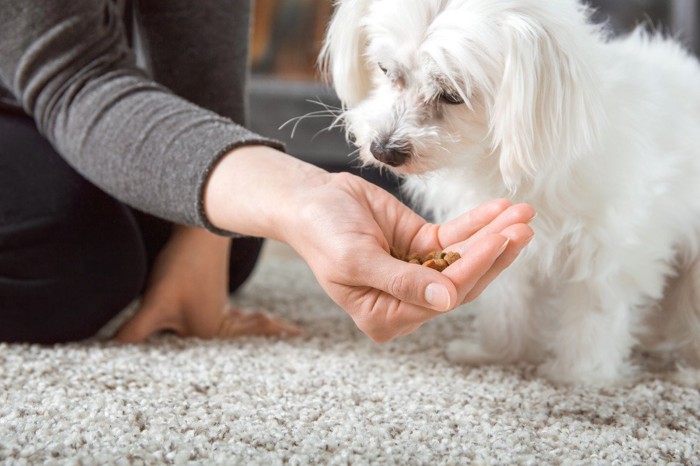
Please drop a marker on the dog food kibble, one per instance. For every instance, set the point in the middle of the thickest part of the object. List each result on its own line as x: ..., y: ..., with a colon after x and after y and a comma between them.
x: 438, y: 260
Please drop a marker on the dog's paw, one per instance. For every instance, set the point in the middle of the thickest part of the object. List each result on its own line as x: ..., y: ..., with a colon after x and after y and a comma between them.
x: 571, y: 375
x: 467, y: 352
x: 686, y: 376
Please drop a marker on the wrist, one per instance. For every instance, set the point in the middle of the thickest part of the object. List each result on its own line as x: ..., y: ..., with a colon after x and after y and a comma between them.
x: 254, y: 191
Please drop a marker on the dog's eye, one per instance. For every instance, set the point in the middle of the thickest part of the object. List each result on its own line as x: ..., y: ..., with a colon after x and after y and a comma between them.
x: 384, y: 70
x: 451, y: 98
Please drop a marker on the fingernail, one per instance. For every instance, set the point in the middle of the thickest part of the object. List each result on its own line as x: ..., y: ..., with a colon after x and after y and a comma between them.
x: 437, y: 296
x: 503, y: 248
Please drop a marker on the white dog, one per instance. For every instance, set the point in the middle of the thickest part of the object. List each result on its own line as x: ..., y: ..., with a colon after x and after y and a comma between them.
x: 527, y: 99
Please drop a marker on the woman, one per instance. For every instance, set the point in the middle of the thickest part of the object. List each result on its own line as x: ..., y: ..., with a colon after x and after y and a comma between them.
x: 125, y: 172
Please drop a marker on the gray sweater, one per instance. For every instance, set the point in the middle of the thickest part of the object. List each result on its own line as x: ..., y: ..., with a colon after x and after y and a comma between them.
x: 147, y: 135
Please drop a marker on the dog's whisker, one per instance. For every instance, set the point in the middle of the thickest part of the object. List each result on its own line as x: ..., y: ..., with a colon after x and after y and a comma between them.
x: 317, y: 113
x: 337, y: 112
x: 298, y: 119
x: 323, y: 130
x: 326, y: 106
x: 328, y: 111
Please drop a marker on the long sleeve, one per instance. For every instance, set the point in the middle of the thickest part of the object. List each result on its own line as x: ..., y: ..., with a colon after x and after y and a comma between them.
x: 192, y: 49
x: 69, y: 65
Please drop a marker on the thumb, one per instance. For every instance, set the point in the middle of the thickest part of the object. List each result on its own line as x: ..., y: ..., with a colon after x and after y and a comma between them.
x: 412, y: 283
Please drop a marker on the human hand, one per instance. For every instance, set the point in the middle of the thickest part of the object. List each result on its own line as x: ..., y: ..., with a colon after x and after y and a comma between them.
x: 187, y: 293
x: 345, y: 228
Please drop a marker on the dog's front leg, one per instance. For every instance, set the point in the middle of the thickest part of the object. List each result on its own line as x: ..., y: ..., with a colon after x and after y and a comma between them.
x: 504, y: 325
x: 591, y: 339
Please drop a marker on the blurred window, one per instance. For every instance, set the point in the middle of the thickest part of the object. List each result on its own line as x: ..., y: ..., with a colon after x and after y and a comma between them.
x: 680, y: 18
x: 624, y: 15
x: 287, y: 37
x: 287, y: 34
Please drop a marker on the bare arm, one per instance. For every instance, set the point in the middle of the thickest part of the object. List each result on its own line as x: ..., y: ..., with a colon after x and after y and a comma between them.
x: 344, y: 227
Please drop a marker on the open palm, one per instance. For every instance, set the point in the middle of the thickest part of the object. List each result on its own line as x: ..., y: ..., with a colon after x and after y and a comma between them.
x: 346, y: 239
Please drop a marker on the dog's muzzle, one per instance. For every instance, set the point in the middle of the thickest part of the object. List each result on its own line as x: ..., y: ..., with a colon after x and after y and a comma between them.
x: 392, y: 156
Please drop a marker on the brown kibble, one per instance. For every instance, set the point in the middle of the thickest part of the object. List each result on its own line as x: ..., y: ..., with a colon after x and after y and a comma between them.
x: 415, y: 258
x: 452, y: 257
x: 438, y: 260
x: 437, y: 264
x: 430, y: 263
x: 395, y: 254
x: 433, y: 255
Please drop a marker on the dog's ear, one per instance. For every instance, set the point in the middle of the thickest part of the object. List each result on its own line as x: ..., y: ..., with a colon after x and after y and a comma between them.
x: 546, y: 109
x: 342, y: 57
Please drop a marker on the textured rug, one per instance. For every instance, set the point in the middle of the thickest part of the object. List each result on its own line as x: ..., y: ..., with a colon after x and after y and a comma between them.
x: 331, y: 397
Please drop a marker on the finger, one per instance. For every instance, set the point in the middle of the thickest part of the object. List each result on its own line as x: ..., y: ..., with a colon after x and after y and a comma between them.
x: 520, y: 236
x: 410, y: 329
x: 409, y: 283
x: 469, y: 223
x: 519, y: 213
x: 477, y: 259
x: 389, y: 318
x: 237, y: 323
x: 148, y: 320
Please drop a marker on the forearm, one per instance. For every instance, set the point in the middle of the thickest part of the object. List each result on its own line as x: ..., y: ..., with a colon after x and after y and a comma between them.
x: 68, y: 63
x: 206, y: 245
x: 255, y: 191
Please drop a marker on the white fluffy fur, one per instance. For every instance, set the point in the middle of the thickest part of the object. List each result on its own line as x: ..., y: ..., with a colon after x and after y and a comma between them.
x: 601, y: 136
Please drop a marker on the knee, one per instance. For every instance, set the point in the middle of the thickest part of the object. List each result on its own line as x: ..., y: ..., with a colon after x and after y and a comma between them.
x: 64, y: 273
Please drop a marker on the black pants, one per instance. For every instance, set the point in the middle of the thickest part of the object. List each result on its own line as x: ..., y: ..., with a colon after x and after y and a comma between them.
x: 71, y: 257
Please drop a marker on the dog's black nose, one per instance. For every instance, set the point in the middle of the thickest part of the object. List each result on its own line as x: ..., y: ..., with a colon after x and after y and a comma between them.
x: 391, y: 156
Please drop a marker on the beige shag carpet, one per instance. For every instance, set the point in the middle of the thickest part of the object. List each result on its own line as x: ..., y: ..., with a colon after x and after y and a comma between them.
x: 331, y: 397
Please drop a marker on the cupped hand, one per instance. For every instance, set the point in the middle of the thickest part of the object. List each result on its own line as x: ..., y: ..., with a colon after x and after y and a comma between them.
x: 187, y: 293
x: 345, y: 228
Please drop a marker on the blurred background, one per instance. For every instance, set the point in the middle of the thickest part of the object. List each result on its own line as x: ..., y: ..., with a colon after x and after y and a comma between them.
x: 286, y: 40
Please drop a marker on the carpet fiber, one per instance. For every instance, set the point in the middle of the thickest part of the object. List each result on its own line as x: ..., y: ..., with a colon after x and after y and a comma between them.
x: 331, y: 397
